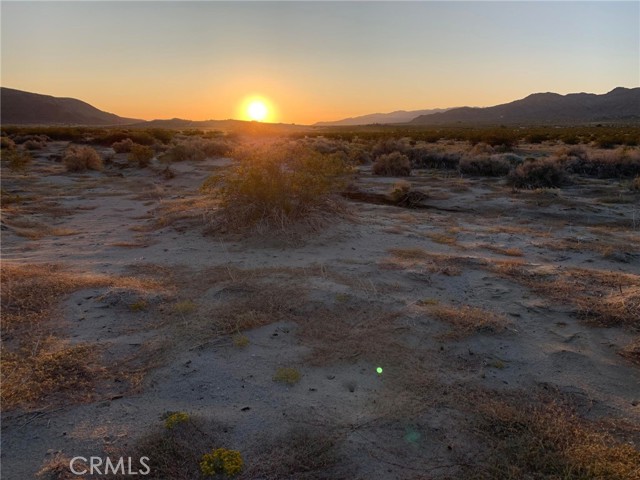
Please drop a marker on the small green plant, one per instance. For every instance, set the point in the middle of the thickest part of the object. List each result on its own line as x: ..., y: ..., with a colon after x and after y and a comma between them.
x: 240, y: 340
x: 176, y: 418
x: 221, y: 461
x: 138, y: 306
x: 290, y: 376
x: 141, y: 154
x: 184, y: 307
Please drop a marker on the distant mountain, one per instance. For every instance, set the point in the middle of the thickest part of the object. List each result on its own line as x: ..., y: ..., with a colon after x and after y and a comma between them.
x: 25, y: 108
x: 619, y: 105
x: 399, y: 116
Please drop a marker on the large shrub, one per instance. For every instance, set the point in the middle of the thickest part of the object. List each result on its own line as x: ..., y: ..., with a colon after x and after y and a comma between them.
x: 491, y: 166
x: 393, y: 164
x: 80, y: 158
x: 541, y: 173
x: 141, y: 154
x: 274, y: 187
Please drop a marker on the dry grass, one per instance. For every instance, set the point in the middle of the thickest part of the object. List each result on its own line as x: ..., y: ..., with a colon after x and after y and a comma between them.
x: 511, y: 252
x: 547, y: 441
x: 411, y: 253
x: 442, y: 238
x: 631, y: 351
x: 37, y: 363
x: 287, y: 375
x: 467, y: 320
x: 34, y: 229
x: 600, y: 297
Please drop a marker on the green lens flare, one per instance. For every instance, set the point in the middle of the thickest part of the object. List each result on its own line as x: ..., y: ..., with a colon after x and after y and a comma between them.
x: 379, y: 370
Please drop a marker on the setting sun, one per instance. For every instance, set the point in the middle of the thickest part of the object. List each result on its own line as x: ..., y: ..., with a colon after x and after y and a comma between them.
x: 257, y: 110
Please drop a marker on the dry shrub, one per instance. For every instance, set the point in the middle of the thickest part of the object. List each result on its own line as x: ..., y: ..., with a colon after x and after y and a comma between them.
x: 635, y: 184
x: 277, y: 187
x: 493, y: 166
x: 17, y: 160
x: 123, y: 146
x: 35, y: 144
x: 547, y: 441
x: 81, y: 158
x: 467, y: 320
x: 141, y: 154
x: 7, y: 143
x: 620, y: 163
x: 392, y: 164
x: 542, y: 173
x: 196, y: 149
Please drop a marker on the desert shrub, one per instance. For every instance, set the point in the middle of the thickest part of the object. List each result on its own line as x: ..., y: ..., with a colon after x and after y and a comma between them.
x: 80, y: 158
x: 541, y: 173
x: 196, y: 149
x: 277, y: 186
x: 392, y: 164
x: 109, y: 137
x: 123, y: 146
x: 390, y: 145
x: 537, y: 137
x: 34, y: 144
x: 359, y: 154
x: 141, y: 154
x: 6, y: 143
x: 290, y: 376
x: 623, y: 162
x: 493, y: 166
x: 221, y: 460
x: 422, y: 156
x: 635, y: 184
x: 163, y: 135
x: 481, y: 149
x: 17, y: 160
x: 399, y: 190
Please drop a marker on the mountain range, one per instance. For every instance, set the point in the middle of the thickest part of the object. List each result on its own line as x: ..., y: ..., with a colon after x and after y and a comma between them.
x: 619, y: 105
x: 399, y: 116
x: 20, y: 108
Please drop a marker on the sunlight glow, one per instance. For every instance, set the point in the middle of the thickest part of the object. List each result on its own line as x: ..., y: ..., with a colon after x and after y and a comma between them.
x: 256, y: 108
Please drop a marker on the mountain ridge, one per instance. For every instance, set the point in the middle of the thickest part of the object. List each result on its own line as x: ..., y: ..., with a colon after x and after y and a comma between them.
x: 619, y: 104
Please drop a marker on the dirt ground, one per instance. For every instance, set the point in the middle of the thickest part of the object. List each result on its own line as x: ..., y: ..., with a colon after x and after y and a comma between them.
x: 401, y: 322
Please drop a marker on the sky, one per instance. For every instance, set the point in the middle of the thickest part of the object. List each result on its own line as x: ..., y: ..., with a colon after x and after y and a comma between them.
x: 314, y: 61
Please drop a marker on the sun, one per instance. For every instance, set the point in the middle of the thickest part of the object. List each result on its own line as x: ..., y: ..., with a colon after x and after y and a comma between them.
x: 257, y: 110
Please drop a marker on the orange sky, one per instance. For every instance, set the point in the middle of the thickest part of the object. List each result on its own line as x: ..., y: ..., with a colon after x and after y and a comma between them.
x: 314, y: 61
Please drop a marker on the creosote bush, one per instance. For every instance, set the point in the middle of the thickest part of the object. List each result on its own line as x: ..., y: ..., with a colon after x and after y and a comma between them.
x: 81, y: 158
x: 276, y: 187
x: 141, y: 154
x: 541, y: 173
x: 493, y: 166
x: 392, y: 164
x: 123, y: 146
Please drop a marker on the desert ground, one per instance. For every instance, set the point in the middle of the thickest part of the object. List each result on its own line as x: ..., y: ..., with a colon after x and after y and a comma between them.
x: 477, y: 331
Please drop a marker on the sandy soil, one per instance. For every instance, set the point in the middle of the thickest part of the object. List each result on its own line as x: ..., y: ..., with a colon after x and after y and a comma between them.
x: 347, y: 304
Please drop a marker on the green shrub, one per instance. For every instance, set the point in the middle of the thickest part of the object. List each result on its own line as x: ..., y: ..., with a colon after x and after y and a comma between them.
x: 141, y: 154
x: 221, y: 461
x: 81, y: 158
x: 392, y: 164
x: 275, y: 187
x: 290, y: 376
x: 541, y: 173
